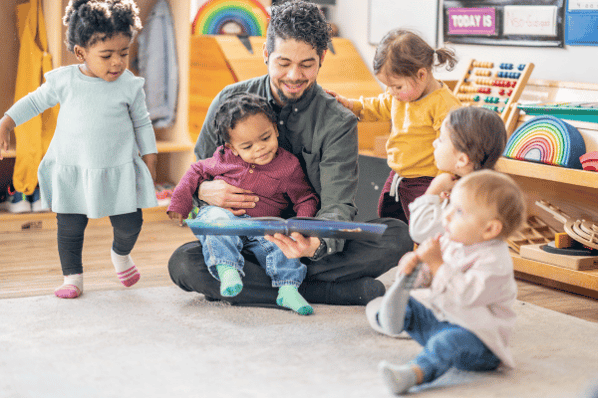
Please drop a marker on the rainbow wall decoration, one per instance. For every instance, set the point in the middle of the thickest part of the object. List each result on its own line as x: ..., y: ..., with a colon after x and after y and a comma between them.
x: 249, y: 16
x: 547, y: 139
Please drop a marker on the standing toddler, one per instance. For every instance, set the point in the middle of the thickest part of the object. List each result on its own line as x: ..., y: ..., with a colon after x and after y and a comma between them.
x: 102, y: 159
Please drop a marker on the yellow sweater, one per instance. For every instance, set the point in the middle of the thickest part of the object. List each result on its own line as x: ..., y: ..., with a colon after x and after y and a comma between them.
x: 415, y: 125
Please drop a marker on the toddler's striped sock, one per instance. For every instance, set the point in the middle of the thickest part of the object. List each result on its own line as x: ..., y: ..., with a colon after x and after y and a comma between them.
x: 71, y: 288
x: 125, y: 269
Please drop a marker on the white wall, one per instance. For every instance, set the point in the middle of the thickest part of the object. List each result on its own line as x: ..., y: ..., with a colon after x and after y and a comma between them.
x: 571, y: 63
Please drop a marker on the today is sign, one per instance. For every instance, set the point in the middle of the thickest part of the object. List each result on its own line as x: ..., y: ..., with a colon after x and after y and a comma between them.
x: 472, y: 21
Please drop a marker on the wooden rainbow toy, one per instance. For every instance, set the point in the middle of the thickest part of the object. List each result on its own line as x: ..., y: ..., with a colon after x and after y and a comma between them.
x: 547, y: 139
x: 249, y: 17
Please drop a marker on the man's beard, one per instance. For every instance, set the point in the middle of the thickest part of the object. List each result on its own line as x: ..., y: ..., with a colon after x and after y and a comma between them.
x: 287, y: 100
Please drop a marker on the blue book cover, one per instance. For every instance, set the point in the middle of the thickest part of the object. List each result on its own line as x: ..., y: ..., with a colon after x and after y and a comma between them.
x: 260, y: 226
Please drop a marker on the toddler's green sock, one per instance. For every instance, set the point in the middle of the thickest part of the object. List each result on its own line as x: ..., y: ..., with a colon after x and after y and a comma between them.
x: 230, y: 280
x: 289, y: 297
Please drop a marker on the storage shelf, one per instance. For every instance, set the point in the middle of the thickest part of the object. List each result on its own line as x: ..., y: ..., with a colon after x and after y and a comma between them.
x: 47, y: 220
x: 10, y: 154
x: 167, y: 147
x: 583, y: 282
x: 565, y: 175
x: 163, y: 147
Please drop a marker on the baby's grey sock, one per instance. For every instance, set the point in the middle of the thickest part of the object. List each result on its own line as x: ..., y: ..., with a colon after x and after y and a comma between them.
x: 391, y: 315
x: 399, y: 379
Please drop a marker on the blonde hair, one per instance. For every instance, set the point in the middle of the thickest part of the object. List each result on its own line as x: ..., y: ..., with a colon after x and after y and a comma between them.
x: 499, y: 193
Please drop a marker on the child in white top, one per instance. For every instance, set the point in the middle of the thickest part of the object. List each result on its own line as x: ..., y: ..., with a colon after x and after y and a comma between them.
x: 471, y: 138
x: 465, y: 318
x: 102, y: 158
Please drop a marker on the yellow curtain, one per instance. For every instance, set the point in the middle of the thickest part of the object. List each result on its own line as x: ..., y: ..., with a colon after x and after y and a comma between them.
x: 33, y: 137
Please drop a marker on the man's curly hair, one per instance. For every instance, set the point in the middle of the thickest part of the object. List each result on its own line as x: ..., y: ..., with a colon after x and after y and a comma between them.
x: 90, y: 21
x: 237, y: 108
x: 301, y: 21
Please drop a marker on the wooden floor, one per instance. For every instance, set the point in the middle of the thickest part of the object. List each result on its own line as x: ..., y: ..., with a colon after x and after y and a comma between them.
x: 29, y: 266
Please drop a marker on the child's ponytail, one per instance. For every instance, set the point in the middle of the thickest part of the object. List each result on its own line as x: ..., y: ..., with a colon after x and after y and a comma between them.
x: 446, y: 56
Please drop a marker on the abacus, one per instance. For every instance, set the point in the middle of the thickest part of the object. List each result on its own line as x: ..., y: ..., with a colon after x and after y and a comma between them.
x: 493, y: 86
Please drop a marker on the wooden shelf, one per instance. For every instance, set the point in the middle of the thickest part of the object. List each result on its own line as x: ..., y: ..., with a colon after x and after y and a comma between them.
x: 167, y: 147
x: 582, y: 282
x: 163, y: 147
x: 10, y: 154
x: 582, y: 178
x: 47, y: 220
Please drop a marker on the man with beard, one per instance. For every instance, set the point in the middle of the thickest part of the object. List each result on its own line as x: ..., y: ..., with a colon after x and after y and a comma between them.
x: 323, y: 135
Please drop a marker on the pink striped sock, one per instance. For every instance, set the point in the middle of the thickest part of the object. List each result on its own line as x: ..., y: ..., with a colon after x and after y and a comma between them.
x: 72, y: 287
x: 125, y: 269
x: 129, y: 277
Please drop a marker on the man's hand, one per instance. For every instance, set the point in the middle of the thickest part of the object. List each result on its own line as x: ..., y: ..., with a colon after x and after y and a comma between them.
x: 221, y: 194
x: 176, y: 216
x: 296, y: 245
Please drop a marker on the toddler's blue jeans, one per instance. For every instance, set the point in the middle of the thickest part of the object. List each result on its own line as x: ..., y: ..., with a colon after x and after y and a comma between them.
x: 226, y: 250
x: 445, y: 344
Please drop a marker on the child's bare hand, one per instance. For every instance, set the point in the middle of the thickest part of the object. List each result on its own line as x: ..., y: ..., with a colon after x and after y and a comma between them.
x: 442, y: 185
x: 151, y: 159
x: 429, y: 252
x: 176, y: 216
x: 347, y: 103
x: 6, y: 126
x: 407, y: 263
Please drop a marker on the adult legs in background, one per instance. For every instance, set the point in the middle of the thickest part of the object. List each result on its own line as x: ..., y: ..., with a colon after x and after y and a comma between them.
x: 344, y: 278
x: 409, y: 190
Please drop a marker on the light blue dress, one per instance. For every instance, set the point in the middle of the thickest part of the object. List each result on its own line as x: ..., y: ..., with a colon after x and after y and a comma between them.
x: 93, y: 165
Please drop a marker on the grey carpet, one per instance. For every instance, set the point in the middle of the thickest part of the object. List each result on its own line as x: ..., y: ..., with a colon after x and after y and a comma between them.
x: 163, y: 342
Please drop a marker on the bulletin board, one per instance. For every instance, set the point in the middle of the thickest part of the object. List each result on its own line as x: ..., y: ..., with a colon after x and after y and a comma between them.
x: 582, y: 23
x: 530, y: 23
x: 420, y: 16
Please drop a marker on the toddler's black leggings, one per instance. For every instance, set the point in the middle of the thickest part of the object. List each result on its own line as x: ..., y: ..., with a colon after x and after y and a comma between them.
x: 71, y: 230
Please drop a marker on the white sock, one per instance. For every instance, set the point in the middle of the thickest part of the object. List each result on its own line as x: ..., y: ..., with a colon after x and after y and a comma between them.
x: 391, y: 315
x: 125, y: 269
x: 72, y: 287
x: 399, y: 379
x: 121, y: 263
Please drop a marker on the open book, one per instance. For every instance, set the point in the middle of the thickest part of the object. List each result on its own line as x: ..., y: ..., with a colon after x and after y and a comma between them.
x: 307, y: 226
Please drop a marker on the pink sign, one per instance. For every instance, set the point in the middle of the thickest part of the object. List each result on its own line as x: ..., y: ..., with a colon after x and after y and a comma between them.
x: 471, y: 21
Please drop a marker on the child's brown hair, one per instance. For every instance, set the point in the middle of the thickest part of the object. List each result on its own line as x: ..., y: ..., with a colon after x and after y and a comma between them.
x: 500, y: 193
x: 403, y: 53
x: 479, y: 133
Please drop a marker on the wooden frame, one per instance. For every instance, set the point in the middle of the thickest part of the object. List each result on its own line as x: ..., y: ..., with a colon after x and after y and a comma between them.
x: 485, y: 78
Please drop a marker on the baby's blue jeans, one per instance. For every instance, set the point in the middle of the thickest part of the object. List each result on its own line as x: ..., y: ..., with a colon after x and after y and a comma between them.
x: 445, y: 344
x: 226, y: 250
